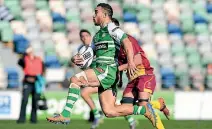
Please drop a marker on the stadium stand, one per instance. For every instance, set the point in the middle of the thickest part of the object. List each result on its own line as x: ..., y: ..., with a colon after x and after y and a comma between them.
x: 175, y: 34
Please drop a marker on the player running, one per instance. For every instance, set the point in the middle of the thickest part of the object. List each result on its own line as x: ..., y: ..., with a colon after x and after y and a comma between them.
x: 143, y: 81
x: 105, y: 75
x: 86, y: 92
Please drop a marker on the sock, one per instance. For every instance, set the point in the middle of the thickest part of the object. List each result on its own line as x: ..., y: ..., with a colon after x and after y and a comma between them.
x: 139, y: 110
x: 155, y: 104
x: 73, y: 96
x: 159, y: 124
x: 130, y: 119
x: 96, y: 113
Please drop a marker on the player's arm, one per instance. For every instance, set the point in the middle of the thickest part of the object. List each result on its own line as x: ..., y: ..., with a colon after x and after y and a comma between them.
x: 122, y: 37
x: 76, y: 59
x: 130, y: 55
x: 137, y: 61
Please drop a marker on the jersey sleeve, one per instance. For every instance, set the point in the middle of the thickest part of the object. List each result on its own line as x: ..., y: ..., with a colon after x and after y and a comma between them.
x: 118, y: 34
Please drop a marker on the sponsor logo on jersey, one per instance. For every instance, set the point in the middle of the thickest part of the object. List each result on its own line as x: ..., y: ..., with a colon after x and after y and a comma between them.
x: 102, y: 46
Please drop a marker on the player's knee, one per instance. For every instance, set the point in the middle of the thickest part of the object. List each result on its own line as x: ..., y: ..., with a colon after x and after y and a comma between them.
x: 109, y: 112
x: 143, y: 102
x: 84, y: 94
x: 73, y: 79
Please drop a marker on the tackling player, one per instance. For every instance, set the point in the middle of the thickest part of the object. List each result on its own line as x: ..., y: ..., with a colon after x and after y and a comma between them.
x: 143, y: 81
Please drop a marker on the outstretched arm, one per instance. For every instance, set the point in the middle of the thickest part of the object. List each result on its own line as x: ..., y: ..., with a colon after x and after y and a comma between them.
x: 137, y: 61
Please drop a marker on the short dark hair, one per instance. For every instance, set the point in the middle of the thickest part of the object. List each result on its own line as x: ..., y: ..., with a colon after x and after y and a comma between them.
x: 115, y: 21
x: 84, y: 30
x: 107, y: 8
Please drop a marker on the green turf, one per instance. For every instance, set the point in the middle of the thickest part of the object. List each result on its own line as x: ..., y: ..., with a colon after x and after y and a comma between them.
x: 108, y: 124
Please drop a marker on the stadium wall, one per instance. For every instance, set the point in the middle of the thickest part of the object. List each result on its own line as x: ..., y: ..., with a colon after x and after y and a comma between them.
x: 183, y: 105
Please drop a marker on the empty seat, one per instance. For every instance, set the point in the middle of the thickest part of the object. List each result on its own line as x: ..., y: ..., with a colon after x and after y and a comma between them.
x: 205, y: 48
x: 203, y: 38
x: 168, y: 77
x: 191, y: 49
x: 129, y: 17
x: 21, y: 43
x: 187, y: 26
x: 207, y: 58
x: 13, y: 77
x: 59, y: 27
x: 194, y: 60
x: 173, y: 28
x: 201, y: 28
x: 190, y: 39
x: 175, y: 38
x: 177, y: 48
x: 44, y: 36
x: 73, y: 15
x: 144, y: 15
x: 160, y: 28
x: 198, y: 18
x: 49, y: 48
x: 42, y: 5
x: 4, y: 25
x: 7, y: 35
x: 70, y: 4
x: 52, y: 61
x: 209, y: 7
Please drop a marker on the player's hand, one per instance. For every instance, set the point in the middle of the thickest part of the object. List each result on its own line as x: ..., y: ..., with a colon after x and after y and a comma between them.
x: 132, y: 70
x: 77, y: 59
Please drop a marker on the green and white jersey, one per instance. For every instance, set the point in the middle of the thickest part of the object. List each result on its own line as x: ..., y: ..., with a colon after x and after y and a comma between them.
x: 107, y: 43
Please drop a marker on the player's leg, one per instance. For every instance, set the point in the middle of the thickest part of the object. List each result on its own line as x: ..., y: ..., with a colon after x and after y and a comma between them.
x: 109, y: 78
x: 146, y: 86
x: 86, y: 95
x: 83, y: 78
x: 107, y: 101
x: 161, y: 105
x: 129, y: 98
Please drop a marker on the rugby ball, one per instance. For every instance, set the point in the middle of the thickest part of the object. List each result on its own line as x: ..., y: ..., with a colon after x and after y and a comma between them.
x: 87, y: 54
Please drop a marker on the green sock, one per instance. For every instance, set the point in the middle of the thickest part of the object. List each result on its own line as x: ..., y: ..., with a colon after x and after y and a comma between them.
x: 96, y: 113
x: 73, y: 96
x: 139, y: 110
x: 130, y: 119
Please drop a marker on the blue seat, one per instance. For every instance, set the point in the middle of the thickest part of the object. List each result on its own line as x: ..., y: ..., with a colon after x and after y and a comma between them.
x: 168, y: 77
x: 209, y: 8
x: 20, y: 43
x: 129, y: 17
x: 52, y: 61
x: 174, y: 29
x: 13, y: 77
x: 56, y: 17
x: 199, y: 19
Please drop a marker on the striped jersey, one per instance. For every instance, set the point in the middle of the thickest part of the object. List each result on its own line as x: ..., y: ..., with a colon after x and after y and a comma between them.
x: 107, y: 43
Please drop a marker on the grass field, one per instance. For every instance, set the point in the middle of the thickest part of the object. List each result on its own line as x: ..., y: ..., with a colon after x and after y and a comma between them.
x: 108, y: 124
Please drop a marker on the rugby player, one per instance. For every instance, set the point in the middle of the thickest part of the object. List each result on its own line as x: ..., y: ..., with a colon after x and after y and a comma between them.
x: 105, y: 75
x: 144, y: 80
x: 86, y: 92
